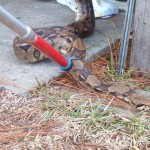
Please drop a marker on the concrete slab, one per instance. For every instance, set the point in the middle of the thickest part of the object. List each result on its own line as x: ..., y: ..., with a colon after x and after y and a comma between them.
x: 20, y: 77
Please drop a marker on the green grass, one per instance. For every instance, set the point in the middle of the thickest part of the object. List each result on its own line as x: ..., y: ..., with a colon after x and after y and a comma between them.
x: 113, y: 72
x: 93, y: 114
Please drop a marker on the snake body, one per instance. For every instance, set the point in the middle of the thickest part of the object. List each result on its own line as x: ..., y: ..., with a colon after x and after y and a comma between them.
x: 68, y: 41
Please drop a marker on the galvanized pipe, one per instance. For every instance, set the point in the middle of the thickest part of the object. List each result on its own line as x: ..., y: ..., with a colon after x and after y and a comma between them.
x: 125, y: 37
x: 22, y: 31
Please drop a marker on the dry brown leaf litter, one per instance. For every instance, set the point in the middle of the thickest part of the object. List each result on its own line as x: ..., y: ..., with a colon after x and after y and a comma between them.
x: 24, y: 124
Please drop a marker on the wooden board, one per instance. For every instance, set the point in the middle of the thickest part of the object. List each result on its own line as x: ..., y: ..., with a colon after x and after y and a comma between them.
x: 140, y: 57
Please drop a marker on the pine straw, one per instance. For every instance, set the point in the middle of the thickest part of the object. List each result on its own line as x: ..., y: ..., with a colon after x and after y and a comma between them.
x: 25, y: 124
x: 21, y: 117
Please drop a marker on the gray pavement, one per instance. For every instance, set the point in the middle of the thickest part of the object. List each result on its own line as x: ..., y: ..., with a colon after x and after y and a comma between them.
x: 20, y: 77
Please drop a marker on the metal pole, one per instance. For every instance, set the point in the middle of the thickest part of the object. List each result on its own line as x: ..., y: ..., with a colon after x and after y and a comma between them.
x: 26, y: 33
x: 125, y: 37
x: 15, y: 25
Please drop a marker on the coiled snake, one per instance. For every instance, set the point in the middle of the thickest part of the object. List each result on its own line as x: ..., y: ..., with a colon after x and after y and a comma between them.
x: 67, y: 40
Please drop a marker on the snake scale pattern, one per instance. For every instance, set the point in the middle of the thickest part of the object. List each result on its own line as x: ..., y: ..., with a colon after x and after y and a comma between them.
x: 68, y: 41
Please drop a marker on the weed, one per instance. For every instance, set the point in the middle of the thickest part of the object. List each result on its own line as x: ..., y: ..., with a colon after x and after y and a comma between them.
x: 114, y: 73
x: 44, y: 106
x: 136, y: 126
x: 50, y: 113
x: 66, y: 95
x: 112, y: 65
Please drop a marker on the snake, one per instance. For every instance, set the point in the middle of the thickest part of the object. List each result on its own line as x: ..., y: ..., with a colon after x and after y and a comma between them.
x: 68, y: 40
